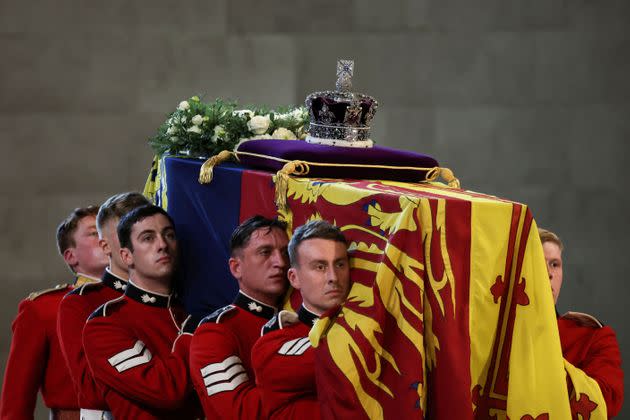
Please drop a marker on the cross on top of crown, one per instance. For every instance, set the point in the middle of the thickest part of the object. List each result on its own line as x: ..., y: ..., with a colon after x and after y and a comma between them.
x: 345, y: 70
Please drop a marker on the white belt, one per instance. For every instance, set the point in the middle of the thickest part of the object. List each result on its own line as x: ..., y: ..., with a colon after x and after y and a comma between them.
x: 96, y: 414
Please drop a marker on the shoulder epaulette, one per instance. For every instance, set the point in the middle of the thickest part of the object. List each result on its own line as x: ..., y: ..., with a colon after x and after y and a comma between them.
x: 35, y: 295
x: 102, y: 310
x: 215, y: 317
x: 583, y: 319
x: 190, y: 324
x: 271, y: 325
x: 279, y: 321
x: 84, y: 288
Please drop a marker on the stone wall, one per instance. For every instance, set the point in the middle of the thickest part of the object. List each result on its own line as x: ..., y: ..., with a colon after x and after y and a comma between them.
x: 529, y: 100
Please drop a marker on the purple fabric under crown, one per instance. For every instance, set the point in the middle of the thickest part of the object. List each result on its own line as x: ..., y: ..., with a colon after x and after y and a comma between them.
x: 300, y: 150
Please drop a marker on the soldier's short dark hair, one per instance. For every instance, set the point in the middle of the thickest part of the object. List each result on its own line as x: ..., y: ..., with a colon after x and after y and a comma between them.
x: 316, y: 229
x: 116, y: 206
x: 243, y: 232
x: 67, y: 228
x: 134, y: 216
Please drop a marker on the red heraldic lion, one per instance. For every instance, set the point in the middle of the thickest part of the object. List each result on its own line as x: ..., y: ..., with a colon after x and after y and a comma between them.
x: 74, y: 310
x: 284, y: 363
x: 593, y: 348
x: 138, y: 353
x: 220, y: 359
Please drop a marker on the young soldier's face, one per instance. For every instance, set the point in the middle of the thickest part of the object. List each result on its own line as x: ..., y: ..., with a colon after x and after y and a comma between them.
x: 553, y: 257
x: 90, y: 258
x: 322, y: 274
x: 154, y: 255
x: 261, y: 266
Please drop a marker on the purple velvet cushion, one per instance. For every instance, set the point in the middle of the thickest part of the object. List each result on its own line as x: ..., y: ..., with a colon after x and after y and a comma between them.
x: 300, y: 150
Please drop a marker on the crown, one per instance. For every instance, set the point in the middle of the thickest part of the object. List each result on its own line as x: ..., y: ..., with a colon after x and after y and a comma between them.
x: 341, y: 117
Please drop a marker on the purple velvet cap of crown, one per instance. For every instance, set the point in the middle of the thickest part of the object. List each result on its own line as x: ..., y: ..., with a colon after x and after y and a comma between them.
x: 300, y: 150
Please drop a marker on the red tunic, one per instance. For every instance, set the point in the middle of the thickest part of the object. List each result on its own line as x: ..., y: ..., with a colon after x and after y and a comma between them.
x: 138, y: 355
x: 594, y: 349
x: 284, y: 364
x: 220, y: 359
x: 74, y: 310
x: 35, y: 361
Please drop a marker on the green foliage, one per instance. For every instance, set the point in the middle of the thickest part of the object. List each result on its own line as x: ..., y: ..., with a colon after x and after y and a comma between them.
x: 199, y: 129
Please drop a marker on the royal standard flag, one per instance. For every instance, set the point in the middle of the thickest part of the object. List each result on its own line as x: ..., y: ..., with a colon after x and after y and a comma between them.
x: 450, y: 314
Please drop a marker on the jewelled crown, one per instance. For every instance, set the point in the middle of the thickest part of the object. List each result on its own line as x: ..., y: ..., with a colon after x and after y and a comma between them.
x: 341, y: 117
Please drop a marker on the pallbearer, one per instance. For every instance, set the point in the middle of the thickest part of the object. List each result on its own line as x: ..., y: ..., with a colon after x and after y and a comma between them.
x: 586, y: 343
x: 35, y: 361
x: 137, y: 345
x: 82, y: 301
x: 220, y: 355
x: 283, y: 358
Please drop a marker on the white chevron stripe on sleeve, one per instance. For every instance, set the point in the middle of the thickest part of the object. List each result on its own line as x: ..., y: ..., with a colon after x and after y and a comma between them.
x: 126, y: 354
x: 295, y: 347
x: 227, y: 386
x: 129, y: 363
x: 304, y: 346
x: 132, y: 357
x: 224, y: 376
x: 221, y: 366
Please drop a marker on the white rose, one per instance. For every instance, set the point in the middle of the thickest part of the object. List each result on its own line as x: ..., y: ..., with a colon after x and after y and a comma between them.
x: 246, y: 113
x: 197, y: 119
x: 171, y: 130
x: 298, y: 113
x: 183, y: 106
x: 283, y: 134
x: 259, y: 124
x: 194, y: 129
x: 219, y: 132
x: 174, y: 139
x: 282, y: 117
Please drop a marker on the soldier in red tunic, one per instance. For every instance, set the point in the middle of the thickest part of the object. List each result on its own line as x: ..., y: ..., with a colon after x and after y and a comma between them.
x: 137, y: 345
x: 586, y: 343
x: 283, y: 358
x: 35, y: 362
x: 77, y: 306
x: 220, y: 354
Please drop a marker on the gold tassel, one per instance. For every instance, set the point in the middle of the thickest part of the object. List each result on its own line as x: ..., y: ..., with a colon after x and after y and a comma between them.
x: 207, y: 169
x: 448, y: 176
x: 281, y: 179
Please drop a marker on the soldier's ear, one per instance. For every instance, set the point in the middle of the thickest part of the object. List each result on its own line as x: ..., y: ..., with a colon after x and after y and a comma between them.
x: 293, y: 278
x: 70, y: 257
x: 105, y: 247
x: 235, y: 267
x: 126, y: 256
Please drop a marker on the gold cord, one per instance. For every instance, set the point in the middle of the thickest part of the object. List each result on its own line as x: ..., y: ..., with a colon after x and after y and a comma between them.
x: 207, y: 169
x: 302, y: 167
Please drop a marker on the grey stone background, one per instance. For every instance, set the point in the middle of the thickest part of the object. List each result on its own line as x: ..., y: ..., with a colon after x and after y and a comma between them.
x: 528, y: 100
